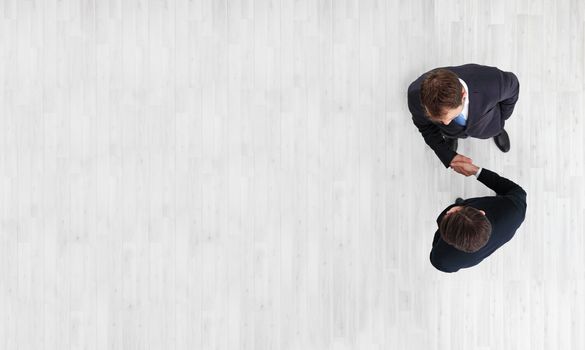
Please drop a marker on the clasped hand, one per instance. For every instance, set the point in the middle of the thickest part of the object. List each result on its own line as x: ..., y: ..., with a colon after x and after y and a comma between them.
x: 463, y: 165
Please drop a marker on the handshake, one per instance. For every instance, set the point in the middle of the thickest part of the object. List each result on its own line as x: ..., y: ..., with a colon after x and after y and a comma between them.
x: 463, y: 165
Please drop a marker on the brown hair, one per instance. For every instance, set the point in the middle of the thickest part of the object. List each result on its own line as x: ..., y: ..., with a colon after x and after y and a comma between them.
x: 440, y: 90
x: 467, y: 229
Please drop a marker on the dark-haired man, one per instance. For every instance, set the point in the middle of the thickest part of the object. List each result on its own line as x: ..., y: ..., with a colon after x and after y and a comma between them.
x: 456, y: 102
x: 472, y: 229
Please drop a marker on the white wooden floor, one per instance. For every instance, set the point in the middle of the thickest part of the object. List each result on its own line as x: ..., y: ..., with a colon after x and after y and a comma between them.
x: 245, y: 175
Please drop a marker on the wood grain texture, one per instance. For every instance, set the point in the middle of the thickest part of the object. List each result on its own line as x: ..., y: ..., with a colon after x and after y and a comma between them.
x: 245, y: 175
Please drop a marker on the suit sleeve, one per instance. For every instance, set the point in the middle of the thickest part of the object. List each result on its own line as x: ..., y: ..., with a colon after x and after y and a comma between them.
x: 430, y: 132
x: 504, y: 187
x: 509, y: 91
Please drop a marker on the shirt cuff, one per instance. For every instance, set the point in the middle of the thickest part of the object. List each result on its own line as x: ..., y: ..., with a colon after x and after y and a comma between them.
x: 478, y: 172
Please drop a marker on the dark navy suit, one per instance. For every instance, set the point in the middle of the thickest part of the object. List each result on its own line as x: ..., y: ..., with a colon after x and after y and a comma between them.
x: 505, y: 211
x: 492, y: 96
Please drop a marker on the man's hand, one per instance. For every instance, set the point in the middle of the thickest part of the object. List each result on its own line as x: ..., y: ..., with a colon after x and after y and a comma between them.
x: 463, y: 165
x: 464, y: 168
x: 461, y: 158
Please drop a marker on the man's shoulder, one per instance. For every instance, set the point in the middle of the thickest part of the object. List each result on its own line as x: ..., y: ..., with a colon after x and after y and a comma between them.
x: 414, y: 87
x: 469, y: 68
x: 472, y: 67
x: 474, y: 74
x: 443, y: 262
x: 413, y: 96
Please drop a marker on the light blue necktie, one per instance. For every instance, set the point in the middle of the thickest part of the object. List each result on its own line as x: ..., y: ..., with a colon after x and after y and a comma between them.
x: 460, y: 120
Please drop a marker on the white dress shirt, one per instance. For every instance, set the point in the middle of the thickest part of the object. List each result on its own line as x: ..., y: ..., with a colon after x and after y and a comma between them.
x: 465, y: 110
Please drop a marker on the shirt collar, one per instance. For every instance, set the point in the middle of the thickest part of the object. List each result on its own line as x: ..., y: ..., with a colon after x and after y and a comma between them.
x: 466, y: 101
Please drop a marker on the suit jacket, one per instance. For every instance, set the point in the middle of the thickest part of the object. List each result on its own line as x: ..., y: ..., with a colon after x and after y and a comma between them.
x: 505, y: 211
x: 492, y: 96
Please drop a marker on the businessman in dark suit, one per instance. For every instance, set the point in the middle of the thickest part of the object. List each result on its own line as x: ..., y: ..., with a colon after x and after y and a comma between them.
x: 470, y: 230
x: 456, y: 102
